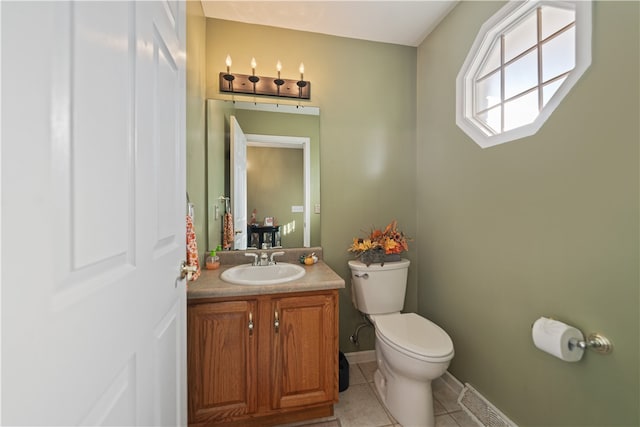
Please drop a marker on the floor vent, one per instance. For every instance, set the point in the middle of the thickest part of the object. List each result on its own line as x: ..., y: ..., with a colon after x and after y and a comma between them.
x: 481, y: 410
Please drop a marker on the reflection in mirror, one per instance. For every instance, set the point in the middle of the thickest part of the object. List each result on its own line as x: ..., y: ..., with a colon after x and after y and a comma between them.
x: 276, y: 172
x: 279, y: 184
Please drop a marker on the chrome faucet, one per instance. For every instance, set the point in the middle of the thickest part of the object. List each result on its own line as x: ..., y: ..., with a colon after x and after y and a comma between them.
x: 275, y: 254
x: 255, y: 257
x: 264, y: 259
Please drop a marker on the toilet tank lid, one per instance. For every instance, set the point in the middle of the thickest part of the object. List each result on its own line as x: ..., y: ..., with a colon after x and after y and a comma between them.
x: 358, y: 265
x: 415, y: 334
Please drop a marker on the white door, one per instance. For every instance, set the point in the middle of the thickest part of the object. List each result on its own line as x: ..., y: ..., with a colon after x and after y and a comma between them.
x: 238, y: 162
x: 93, y: 213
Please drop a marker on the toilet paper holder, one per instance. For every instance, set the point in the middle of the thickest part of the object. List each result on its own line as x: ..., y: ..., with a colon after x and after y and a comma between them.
x: 597, y: 342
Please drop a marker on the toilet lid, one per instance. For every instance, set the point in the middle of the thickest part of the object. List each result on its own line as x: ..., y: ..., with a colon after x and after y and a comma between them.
x: 415, y: 334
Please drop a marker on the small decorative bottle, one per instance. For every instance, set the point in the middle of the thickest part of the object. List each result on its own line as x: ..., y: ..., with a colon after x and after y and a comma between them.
x: 213, y: 261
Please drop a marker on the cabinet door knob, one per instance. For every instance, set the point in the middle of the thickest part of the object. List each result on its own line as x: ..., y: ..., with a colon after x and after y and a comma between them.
x: 276, y: 323
x: 250, y: 323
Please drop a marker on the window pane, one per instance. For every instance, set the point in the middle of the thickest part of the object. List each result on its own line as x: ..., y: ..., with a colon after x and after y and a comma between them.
x: 521, y: 111
x: 521, y: 75
x: 522, y: 37
x: 488, y: 92
x: 492, y: 60
x: 549, y: 89
x: 493, y: 120
x: 525, y: 60
x: 553, y: 19
x: 559, y: 55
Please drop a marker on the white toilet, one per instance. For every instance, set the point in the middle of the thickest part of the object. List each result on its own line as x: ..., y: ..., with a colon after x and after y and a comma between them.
x: 411, y: 351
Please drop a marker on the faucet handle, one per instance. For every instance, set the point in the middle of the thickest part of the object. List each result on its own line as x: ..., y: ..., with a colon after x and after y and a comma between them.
x: 275, y: 254
x: 255, y: 257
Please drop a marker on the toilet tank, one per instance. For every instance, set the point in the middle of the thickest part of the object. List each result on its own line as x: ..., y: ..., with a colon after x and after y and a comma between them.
x: 379, y: 289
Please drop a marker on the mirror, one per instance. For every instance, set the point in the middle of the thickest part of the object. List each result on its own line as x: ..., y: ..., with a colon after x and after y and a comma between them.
x: 276, y: 174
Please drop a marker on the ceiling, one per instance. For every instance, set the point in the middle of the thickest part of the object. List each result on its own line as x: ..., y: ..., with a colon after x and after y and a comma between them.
x: 398, y: 22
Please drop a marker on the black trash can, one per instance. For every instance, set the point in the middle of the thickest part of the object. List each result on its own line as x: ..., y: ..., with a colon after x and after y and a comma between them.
x: 343, y: 372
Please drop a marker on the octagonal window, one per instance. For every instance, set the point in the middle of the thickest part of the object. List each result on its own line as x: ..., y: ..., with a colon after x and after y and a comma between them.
x: 523, y: 62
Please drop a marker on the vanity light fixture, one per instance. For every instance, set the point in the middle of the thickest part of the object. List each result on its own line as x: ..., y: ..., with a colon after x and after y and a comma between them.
x: 268, y: 86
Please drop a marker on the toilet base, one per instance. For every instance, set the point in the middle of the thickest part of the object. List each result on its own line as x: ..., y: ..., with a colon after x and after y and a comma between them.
x: 411, y: 404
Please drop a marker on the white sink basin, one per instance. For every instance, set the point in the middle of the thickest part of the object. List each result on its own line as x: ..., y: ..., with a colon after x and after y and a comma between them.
x: 247, y: 274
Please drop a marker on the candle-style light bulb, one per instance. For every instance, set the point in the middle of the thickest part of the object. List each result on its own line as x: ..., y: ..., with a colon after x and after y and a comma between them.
x: 253, y: 65
x: 279, y: 68
x: 301, y: 71
x: 228, y: 62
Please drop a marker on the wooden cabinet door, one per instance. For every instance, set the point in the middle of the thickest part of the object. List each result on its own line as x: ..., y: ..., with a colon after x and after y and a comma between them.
x: 222, y: 359
x: 305, y: 353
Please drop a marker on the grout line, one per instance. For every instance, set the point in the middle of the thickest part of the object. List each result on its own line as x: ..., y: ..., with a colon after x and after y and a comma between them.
x: 372, y: 386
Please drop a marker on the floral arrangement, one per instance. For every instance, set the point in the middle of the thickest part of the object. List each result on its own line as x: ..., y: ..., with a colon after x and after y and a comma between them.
x: 380, y: 243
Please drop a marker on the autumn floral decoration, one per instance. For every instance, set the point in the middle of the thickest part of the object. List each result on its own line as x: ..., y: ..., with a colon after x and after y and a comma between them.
x: 381, y: 245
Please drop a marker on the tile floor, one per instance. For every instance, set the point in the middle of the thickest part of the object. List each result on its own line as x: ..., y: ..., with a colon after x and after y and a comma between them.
x: 359, y: 405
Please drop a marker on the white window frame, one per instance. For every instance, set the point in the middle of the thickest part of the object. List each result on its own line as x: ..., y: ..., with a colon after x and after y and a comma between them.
x: 490, y: 30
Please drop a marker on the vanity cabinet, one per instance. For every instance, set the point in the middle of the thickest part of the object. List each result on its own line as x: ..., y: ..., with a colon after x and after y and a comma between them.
x: 262, y: 360
x: 222, y: 360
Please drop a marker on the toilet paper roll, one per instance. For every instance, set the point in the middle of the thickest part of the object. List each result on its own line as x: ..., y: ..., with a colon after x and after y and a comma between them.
x: 553, y: 337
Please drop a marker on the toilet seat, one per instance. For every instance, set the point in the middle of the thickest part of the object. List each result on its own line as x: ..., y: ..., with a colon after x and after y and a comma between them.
x: 414, y: 336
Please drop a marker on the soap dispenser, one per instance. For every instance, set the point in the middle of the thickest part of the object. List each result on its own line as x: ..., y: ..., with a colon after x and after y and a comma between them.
x: 213, y: 261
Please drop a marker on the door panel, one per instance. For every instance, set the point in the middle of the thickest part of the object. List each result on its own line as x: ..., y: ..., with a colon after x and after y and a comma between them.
x: 166, y: 100
x: 239, y: 184
x: 305, y: 361
x: 222, y: 360
x: 116, y: 406
x: 102, y: 208
x: 168, y: 357
x: 94, y: 215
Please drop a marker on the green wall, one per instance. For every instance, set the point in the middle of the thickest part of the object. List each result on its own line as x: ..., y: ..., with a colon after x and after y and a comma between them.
x: 195, y: 119
x: 366, y: 94
x: 543, y: 226
x: 216, y: 158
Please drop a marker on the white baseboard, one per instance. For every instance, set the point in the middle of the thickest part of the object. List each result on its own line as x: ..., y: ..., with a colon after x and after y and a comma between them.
x: 453, y: 383
x: 361, y: 356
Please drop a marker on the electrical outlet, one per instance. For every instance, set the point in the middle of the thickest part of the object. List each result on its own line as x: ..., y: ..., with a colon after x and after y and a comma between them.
x: 316, y: 208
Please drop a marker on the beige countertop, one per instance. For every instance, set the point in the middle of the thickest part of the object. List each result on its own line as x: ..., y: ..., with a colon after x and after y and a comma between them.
x: 318, y: 276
